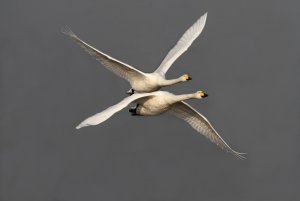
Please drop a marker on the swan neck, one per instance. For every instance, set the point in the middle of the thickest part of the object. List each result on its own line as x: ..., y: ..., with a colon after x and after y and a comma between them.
x: 170, y: 82
x: 183, y: 97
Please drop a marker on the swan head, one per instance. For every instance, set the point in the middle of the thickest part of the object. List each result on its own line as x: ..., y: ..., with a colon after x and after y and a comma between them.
x: 200, y: 94
x: 185, y: 78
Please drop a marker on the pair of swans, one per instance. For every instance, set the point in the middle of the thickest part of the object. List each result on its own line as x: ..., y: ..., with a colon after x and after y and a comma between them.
x: 144, y: 88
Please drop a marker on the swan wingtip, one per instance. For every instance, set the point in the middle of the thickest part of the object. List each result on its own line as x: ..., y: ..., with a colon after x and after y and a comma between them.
x: 79, y: 126
x: 67, y: 31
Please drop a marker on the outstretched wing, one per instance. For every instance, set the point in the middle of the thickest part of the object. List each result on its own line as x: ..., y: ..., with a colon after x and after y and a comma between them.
x: 119, y: 68
x: 182, y: 45
x: 184, y: 111
x: 107, y: 113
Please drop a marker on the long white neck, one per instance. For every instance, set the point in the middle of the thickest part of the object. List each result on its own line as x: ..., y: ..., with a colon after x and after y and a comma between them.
x: 183, y: 97
x: 164, y: 82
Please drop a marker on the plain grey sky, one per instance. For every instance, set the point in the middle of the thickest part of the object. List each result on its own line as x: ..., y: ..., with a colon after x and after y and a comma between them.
x: 246, y: 59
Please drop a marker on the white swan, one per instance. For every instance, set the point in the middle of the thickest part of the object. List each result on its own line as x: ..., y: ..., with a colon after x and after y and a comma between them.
x: 155, y: 103
x: 140, y: 81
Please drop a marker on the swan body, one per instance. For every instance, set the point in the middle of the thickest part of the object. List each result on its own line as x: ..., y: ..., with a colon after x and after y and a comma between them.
x: 146, y: 82
x: 158, y: 102
x: 153, y: 82
x: 161, y: 102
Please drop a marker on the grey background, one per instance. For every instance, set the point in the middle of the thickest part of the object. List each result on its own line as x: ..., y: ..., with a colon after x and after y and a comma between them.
x: 246, y: 59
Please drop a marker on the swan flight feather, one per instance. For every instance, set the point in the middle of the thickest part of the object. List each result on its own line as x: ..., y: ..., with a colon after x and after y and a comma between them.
x: 182, y: 45
x: 121, y: 69
x: 196, y: 120
x: 107, y: 113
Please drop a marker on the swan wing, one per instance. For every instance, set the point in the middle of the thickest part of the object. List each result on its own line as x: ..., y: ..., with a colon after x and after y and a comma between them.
x: 107, y: 113
x: 182, y: 45
x: 121, y: 69
x: 187, y: 113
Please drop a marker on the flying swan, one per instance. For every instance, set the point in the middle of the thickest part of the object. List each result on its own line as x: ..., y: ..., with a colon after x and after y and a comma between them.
x: 158, y: 102
x: 140, y: 81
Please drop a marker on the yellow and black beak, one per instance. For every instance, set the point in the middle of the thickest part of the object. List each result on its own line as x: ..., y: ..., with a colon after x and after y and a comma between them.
x: 188, y: 78
x: 203, y: 95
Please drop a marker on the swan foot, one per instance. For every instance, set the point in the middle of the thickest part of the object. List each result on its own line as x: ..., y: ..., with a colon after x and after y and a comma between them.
x: 133, y: 110
x: 130, y: 92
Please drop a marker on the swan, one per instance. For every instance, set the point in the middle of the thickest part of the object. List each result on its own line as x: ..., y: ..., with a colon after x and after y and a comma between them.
x: 140, y: 81
x: 158, y: 102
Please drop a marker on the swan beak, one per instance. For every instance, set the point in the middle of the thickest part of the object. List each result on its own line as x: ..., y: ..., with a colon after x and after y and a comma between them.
x: 203, y: 95
x: 189, y: 78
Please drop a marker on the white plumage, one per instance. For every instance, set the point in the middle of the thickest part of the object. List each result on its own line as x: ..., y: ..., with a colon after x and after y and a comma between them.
x: 140, y: 81
x: 182, y: 45
x: 155, y: 103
